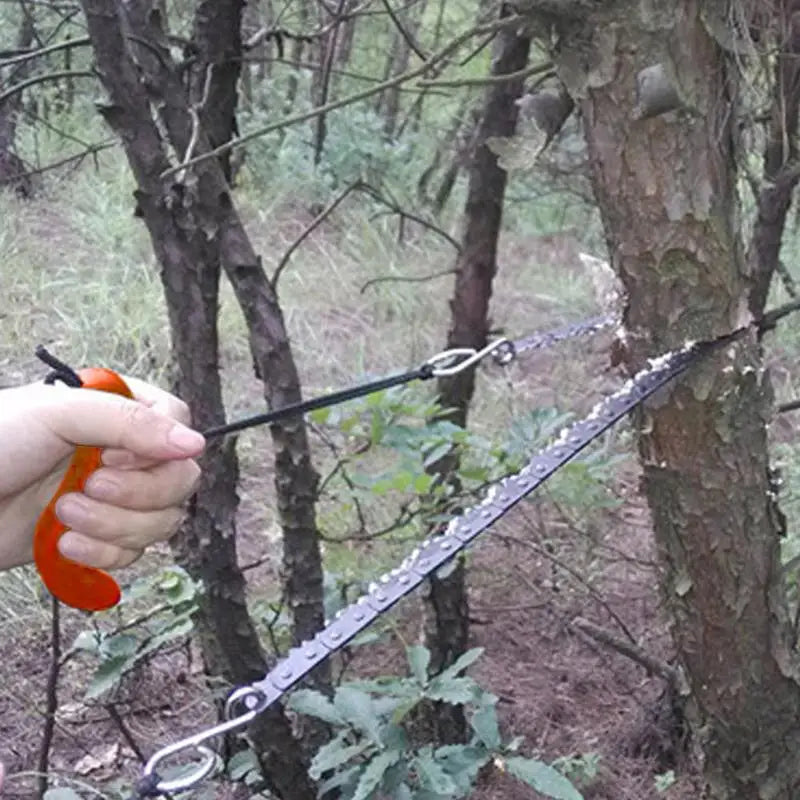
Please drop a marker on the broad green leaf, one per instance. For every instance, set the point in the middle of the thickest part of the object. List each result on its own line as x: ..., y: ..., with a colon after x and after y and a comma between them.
x: 440, y: 451
x: 340, y: 779
x: 176, y: 629
x: 542, y: 777
x: 315, y: 704
x: 394, y: 738
x: 431, y: 774
x: 334, y: 754
x: 121, y: 645
x: 372, y: 775
x: 386, y: 684
x: 88, y: 641
x: 419, y: 658
x: 461, y: 663
x: 484, y: 723
x: 462, y: 762
x: 107, y: 675
x: 61, y: 793
x: 357, y: 709
x: 457, y: 691
x: 402, y: 792
x: 241, y: 764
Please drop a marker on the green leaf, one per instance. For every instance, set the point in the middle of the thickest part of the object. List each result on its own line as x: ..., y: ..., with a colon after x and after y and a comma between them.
x: 119, y: 646
x: 484, y: 723
x: 88, y: 641
x: 462, y: 762
x: 431, y: 774
x: 61, y: 793
x: 440, y: 451
x: 542, y: 777
x: 357, y: 709
x: 456, y: 691
x: 402, y: 792
x: 320, y: 415
x: 241, y: 764
x: 372, y: 775
x: 340, y: 779
x: 107, y: 675
x: 461, y: 663
x: 402, y: 480
x: 315, y: 704
x: 334, y: 754
x: 422, y: 483
x: 177, y: 628
x: 419, y: 658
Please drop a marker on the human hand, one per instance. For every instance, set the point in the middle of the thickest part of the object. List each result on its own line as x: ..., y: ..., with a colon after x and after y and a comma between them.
x: 133, y: 500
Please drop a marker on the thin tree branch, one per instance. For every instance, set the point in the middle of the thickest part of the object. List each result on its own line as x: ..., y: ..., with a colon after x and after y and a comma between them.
x: 309, y: 229
x: 90, y: 151
x: 29, y: 55
x: 792, y: 405
x: 344, y: 101
x: 403, y: 32
x: 397, y: 209
x: 489, y: 80
x: 632, y: 651
x: 52, y: 698
x: 49, y: 76
x: 406, y: 278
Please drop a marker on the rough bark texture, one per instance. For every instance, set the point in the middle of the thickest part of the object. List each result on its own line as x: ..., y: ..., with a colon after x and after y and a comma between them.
x: 666, y: 190
x: 217, y: 51
x: 195, y: 230
x: 781, y: 170
x: 447, y: 629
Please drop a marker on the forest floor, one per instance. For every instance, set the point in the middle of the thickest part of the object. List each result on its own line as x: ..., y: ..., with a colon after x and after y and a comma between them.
x: 539, y: 570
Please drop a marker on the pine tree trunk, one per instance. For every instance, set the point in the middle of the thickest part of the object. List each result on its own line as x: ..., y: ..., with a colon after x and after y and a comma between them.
x: 666, y: 187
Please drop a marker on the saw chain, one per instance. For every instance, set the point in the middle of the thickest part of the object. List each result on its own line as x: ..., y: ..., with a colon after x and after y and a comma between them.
x: 247, y: 701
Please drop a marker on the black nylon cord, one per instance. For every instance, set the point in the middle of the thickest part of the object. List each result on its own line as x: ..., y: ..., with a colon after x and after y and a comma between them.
x: 421, y: 373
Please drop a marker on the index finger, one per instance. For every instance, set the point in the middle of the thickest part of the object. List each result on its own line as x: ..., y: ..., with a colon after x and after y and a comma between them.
x: 99, y: 419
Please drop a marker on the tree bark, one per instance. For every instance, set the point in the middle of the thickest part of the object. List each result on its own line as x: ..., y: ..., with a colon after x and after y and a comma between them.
x: 215, y: 70
x: 195, y: 231
x: 666, y: 188
x: 447, y: 629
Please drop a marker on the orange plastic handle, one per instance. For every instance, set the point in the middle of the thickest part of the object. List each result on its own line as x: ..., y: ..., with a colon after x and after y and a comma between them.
x: 75, y: 584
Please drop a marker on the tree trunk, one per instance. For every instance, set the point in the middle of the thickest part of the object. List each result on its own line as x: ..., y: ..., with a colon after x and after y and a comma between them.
x: 12, y: 168
x: 446, y: 625
x: 781, y: 173
x: 400, y: 55
x: 666, y: 187
x: 214, y: 72
x: 195, y: 230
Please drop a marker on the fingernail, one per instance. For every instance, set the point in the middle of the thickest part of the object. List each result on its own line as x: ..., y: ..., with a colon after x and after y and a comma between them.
x: 73, y: 510
x: 185, y: 439
x: 101, y: 488
x: 72, y: 546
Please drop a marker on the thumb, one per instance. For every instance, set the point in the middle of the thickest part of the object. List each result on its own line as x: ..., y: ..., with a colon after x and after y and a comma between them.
x: 101, y: 419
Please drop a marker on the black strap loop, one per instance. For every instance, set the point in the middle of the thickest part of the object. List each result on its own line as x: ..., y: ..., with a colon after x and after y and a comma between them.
x: 61, y: 371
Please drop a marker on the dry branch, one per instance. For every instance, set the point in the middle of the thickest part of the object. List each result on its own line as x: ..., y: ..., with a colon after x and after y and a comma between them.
x: 345, y: 101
